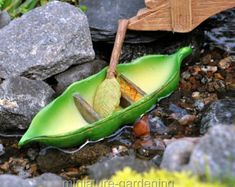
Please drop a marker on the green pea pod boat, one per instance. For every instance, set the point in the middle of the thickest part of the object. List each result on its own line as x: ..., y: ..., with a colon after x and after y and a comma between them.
x: 62, y: 124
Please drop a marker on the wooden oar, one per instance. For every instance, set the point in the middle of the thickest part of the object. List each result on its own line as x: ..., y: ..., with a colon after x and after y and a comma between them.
x: 108, y: 93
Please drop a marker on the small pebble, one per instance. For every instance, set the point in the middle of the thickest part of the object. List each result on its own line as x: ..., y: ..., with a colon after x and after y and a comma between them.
x: 210, y: 68
x: 185, y: 75
x: 178, y: 112
x: 119, y: 150
x: 149, y: 147
x: 141, y: 127
x: 199, y: 104
x: 157, y: 125
x: 196, y: 95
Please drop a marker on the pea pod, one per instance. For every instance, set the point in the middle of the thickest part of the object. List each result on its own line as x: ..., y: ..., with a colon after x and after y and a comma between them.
x: 61, y: 124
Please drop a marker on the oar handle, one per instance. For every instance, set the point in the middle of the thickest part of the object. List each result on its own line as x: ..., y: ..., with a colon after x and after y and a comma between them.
x: 120, y: 36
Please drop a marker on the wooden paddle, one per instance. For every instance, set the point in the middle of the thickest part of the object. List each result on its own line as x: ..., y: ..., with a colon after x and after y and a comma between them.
x: 108, y: 93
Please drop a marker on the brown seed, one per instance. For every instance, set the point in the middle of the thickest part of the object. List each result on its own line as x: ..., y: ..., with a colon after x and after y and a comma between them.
x: 141, y: 127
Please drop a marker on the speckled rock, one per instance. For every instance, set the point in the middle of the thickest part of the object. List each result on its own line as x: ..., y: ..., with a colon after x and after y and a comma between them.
x: 4, y: 19
x: 106, y: 168
x: 219, y: 112
x: 45, y: 41
x: 13, y: 181
x: 20, y: 100
x: 77, y: 73
x: 44, y: 180
x: 215, y: 154
x: 177, y: 155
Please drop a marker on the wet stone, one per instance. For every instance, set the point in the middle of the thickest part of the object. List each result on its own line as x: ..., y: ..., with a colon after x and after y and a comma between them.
x: 178, y: 112
x: 157, y: 126
x: 221, y: 36
x: 219, y: 112
x: 148, y: 147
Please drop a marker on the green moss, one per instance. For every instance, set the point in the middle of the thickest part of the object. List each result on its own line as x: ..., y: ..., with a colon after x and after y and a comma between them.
x: 16, y: 8
x: 158, y: 178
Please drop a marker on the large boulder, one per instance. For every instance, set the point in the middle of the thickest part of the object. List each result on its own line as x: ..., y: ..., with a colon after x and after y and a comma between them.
x: 219, y: 112
x: 20, y: 100
x: 103, y: 16
x: 215, y: 154
x: 45, y: 41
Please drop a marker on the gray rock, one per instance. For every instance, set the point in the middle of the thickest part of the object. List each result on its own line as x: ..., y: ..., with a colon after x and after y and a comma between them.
x: 20, y: 100
x: 13, y: 181
x: 77, y: 73
x: 4, y: 19
x: 219, y: 112
x: 46, y: 180
x: 215, y: 154
x: 103, y: 16
x: 45, y: 41
x: 177, y: 155
x: 107, y: 168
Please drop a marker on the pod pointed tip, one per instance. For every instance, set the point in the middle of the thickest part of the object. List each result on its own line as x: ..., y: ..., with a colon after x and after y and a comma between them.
x: 184, y: 52
x: 23, y: 141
